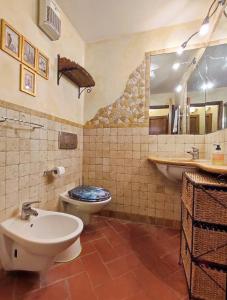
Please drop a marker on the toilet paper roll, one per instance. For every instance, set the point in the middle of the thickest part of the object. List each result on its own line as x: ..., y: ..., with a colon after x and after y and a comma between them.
x: 59, y: 171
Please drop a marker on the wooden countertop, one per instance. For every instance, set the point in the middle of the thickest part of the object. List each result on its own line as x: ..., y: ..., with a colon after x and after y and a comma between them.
x: 202, y: 164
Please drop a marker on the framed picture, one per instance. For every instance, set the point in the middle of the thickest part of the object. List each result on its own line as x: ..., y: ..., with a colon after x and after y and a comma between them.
x: 29, y: 54
x: 11, y: 40
x: 27, y: 80
x: 42, y: 67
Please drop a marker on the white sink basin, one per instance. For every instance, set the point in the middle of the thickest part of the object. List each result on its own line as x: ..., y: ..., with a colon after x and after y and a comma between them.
x: 174, y: 172
x: 33, y: 244
x: 174, y: 168
x: 203, y: 161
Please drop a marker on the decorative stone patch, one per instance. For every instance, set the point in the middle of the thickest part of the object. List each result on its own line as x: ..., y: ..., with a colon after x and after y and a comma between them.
x: 127, y: 111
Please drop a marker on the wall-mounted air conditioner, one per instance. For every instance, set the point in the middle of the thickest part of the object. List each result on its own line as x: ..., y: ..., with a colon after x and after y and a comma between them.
x: 50, y: 18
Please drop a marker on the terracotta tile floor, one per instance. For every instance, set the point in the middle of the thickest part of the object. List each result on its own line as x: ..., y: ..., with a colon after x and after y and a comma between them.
x: 120, y: 261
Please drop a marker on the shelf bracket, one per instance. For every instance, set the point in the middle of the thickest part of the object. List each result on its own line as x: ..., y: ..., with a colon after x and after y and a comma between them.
x: 59, y: 74
x: 84, y: 82
x: 81, y: 90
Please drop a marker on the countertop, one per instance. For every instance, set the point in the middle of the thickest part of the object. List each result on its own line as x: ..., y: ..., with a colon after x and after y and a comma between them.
x: 202, y: 164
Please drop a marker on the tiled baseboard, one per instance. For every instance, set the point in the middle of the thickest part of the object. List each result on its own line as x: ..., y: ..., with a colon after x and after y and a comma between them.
x: 175, y: 224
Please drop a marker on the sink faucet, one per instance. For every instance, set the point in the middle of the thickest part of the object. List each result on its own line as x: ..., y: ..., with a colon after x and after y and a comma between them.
x: 194, y: 152
x: 27, y: 211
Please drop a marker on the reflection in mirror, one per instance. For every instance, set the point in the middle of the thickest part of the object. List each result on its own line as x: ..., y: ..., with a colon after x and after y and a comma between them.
x: 188, y: 95
x: 196, y: 103
x: 167, y: 74
x: 207, y: 92
x: 216, y: 86
x: 188, y: 90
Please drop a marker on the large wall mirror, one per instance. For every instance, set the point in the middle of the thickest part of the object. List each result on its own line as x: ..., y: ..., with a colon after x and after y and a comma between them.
x: 188, y: 94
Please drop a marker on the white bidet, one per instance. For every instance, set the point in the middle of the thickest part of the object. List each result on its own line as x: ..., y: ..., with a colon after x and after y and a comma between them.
x: 34, y: 244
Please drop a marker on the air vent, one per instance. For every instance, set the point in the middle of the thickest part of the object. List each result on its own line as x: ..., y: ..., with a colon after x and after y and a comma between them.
x: 50, y: 19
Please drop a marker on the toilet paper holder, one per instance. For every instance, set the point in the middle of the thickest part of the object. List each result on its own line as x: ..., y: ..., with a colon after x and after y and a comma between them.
x: 55, y: 171
x: 50, y: 172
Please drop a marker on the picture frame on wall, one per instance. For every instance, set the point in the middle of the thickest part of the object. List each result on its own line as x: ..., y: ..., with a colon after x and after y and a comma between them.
x: 27, y: 80
x: 29, y: 54
x: 11, y: 40
x: 42, y: 67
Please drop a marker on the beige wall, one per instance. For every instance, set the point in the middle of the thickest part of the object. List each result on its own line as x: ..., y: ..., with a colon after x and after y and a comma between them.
x: 216, y: 94
x: 201, y: 112
x: 162, y: 99
x: 159, y: 112
x: 116, y: 158
x: 214, y: 111
x: 112, y: 61
x: 59, y: 100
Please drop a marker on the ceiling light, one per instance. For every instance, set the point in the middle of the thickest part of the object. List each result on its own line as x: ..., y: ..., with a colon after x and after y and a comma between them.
x: 179, y: 88
x: 207, y: 85
x: 210, y: 85
x: 182, y: 48
x: 176, y: 66
x: 204, y: 29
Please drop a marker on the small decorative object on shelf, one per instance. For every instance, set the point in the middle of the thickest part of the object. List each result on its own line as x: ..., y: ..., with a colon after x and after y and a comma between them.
x: 204, y: 235
x: 77, y: 74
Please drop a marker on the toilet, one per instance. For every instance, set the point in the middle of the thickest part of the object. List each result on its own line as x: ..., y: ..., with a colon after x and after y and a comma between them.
x: 83, y: 201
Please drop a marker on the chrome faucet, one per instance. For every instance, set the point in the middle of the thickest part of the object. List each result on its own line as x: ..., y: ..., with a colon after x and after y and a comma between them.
x: 194, y: 153
x: 27, y: 211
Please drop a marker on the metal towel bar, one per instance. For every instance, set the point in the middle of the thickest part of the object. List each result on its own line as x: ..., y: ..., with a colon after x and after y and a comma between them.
x: 34, y: 125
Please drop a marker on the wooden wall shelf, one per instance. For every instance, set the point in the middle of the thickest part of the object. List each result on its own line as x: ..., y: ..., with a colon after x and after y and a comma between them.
x: 77, y: 74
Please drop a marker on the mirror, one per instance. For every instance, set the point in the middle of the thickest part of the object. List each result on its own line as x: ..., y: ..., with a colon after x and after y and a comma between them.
x: 196, y: 103
x: 165, y: 91
x: 208, y: 85
x: 188, y: 94
x: 216, y: 92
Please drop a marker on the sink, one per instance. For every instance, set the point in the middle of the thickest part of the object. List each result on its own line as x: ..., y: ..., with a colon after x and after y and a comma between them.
x: 33, y: 244
x: 174, y: 172
x: 180, y: 159
x: 203, y: 161
x: 173, y: 168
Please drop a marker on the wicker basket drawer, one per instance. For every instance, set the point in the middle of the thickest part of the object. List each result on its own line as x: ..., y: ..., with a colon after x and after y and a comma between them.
x: 208, y: 244
x: 206, y: 283
x: 205, y: 203
x: 187, y: 193
x: 186, y: 258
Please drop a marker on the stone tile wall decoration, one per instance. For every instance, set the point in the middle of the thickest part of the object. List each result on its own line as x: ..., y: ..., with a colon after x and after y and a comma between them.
x: 127, y: 111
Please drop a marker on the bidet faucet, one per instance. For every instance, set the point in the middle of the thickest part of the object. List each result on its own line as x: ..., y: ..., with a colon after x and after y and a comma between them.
x: 27, y: 211
x: 194, y: 153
